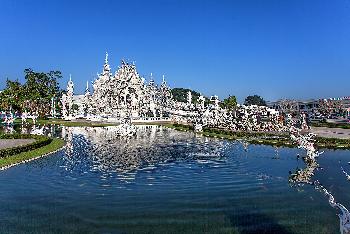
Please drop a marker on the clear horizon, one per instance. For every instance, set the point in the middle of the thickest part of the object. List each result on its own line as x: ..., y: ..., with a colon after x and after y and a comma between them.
x: 295, y: 49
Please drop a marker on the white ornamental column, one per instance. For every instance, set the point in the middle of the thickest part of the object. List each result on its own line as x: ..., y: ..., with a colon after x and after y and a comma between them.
x: 70, y: 93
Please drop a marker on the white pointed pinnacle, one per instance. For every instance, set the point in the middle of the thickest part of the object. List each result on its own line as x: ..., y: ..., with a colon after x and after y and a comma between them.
x: 106, y: 59
x: 70, y: 77
x: 163, y: 78
x: 87, y: 85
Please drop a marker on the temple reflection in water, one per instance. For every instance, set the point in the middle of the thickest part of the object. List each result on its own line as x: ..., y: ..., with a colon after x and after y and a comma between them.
x: 105, y: 151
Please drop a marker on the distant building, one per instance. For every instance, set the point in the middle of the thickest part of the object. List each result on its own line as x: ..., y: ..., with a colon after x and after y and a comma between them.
x: 312, y: 107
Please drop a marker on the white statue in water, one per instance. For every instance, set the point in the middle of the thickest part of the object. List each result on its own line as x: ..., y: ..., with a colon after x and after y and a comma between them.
x: 344, y: 217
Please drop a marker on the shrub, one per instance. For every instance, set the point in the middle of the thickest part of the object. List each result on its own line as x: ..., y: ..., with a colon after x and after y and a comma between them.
x: 40, y: 141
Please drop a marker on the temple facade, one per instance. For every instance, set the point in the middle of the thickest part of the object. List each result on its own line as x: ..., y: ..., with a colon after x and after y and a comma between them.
x: 126, y: 94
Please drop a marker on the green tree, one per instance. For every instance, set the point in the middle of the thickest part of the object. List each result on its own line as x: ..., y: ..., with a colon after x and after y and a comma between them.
x: 11, y: 97
x: 229, y: 103
x: 255, y: 100
x: 39, y: 88
x: 180, y: 95
x: 35, y: 95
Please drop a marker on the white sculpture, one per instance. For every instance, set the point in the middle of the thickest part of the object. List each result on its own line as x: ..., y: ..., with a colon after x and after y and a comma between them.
x: 64, y: 106
x: 86, y: 101
x: 67, y: 100
x: 189, y: 98
x: 9, y: 120
x: 24, y: 117
x: 344, y: 217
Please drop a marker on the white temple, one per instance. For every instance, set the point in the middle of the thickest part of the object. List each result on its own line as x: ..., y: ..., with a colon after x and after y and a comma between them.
x: 125, y: 94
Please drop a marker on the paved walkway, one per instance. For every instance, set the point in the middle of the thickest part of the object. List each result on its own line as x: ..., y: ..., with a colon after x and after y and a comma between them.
x: 331, y: 132
x: 9, y: 143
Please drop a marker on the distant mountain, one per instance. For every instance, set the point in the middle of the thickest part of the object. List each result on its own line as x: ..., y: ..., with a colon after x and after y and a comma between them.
x: 180, y: 95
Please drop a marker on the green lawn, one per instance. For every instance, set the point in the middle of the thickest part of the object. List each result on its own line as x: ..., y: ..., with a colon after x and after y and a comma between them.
x: 331, y: 125
x: 280, y: 140
x: 55, y: 144
x: 74, y: 123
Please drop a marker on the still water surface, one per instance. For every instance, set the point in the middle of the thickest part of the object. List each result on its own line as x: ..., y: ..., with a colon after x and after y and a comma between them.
x: 165, y: 181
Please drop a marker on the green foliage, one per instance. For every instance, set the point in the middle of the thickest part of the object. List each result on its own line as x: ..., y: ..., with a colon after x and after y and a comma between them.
x: 255, y: 100
x: 75, y: 107
x: 33, y: 96
x: 12, y: 96
x: 229, y: 103
x: 184, y: 127
x: 54, y: 145
x: 180, y: 95
x: 79, y: 123
x: 40, y: 141
x: 276, y: 139
x: 332, y: 143
x: 330, y: 125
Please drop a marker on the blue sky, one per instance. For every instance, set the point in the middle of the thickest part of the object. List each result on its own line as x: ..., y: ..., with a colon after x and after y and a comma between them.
x: 276, y: 49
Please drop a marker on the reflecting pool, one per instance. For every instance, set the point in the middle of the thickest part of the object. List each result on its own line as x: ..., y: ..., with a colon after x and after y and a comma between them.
x: 166, y: 181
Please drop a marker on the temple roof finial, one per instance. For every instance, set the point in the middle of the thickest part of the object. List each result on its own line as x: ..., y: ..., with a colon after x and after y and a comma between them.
x: 70, y: 77
x: 163, y: 79
x: 106, y: 59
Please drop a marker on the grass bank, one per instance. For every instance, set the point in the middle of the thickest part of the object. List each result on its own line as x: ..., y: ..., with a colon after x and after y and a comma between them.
x: 54, y: 145
x: 264, y: 138
x: 85, y: 123
x: 331, y: 125
x: 40, y: 141
x: 68, y: 123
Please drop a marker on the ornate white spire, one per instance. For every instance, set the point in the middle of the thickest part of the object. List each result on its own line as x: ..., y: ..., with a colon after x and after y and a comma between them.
x: 106, y: 67
x: 106, y: 58
x: 151, y: 81
x: 68, y: 99
x: 164, y: 84
x: 189, y: 98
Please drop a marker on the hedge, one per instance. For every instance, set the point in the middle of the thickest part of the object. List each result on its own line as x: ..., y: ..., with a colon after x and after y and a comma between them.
x: 270, y: 138
x: 189, y: 127
x: 331, y: 125
x: 269, y: 135
x: 40, y: 141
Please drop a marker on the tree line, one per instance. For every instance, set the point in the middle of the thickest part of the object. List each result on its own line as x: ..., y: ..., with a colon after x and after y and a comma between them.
x: 34, y: 96
x: 40, y: 88
x: 180, y: 95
